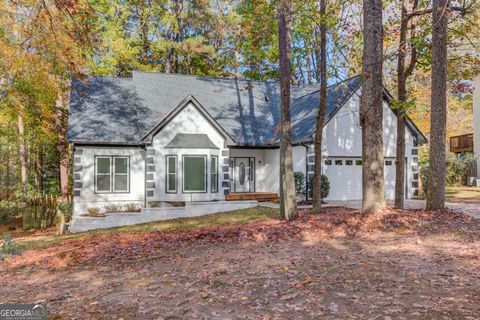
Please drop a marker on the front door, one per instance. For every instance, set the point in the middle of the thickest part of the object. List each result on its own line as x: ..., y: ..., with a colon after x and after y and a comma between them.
x: 243, y: 175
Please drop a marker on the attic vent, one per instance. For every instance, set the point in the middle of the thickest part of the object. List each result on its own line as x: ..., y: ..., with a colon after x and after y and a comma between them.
x: 249, y: 86
x: 265, y: 98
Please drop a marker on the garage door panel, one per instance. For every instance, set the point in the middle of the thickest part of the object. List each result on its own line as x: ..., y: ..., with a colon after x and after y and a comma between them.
x: 346, y: 180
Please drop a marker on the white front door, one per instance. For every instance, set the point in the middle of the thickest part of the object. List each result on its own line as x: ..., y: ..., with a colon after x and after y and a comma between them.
x: 242, y: 176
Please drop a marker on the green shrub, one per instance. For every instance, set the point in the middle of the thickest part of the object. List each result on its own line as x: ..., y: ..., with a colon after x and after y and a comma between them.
x: 299, y: 183
x: 8, y: 210
x: 458, y: 169
x: 8, y: 247
x: 324, y: 186
x: 112, y: 207
x: 66, y: 210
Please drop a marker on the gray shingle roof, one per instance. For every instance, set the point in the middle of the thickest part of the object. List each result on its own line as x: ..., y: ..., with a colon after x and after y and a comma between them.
x: 104, y: 110
x: 305, y: 109
x: 124, y: 110
x: 188, y: 140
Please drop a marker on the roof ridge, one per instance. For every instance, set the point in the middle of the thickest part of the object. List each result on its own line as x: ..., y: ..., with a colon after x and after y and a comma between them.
x: 328, y: 87
x: 219, y: 78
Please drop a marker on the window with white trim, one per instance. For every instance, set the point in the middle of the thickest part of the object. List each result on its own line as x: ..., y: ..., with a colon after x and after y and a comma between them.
x: 112, y: 174
x: 214, y: 174
x: 171, y: 174
x: 195, y: 174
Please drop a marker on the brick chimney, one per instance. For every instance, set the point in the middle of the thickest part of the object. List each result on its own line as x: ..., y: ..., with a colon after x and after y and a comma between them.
x: 476, y: 121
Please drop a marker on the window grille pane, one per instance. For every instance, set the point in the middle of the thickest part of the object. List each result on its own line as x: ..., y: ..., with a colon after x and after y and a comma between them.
x: 103, y: 165
x: 172, y: 182
x: 172, y: 164
x: 103, y: 183
x: 194, y: 174
x: 121, y: 165
x: 121, y: 183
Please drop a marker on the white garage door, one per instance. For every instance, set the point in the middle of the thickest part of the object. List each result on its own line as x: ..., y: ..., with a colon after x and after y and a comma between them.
x: 345, y: 176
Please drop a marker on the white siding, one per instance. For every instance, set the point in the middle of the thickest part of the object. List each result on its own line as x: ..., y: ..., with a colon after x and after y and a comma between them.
x: 476, y: 121
x: 272, y: 176
x: 267, y: 165
x: 85, y: 160
x: 261, y: 167
x: 342, y: 137
x: 189, y: 121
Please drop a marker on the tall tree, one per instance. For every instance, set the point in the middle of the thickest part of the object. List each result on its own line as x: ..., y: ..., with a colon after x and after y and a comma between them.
x: 288, y: 204
x: 371, y: 108
x: 403, y: 72
x: 438, y: 120
x: 317, y: 175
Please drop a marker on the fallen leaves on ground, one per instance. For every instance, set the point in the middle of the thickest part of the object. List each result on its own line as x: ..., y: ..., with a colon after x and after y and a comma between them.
x: 338, y: 264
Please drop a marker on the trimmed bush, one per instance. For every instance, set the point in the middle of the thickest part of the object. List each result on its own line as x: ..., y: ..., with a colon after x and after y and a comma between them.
x: 299, y: 183
x: 324, y: 185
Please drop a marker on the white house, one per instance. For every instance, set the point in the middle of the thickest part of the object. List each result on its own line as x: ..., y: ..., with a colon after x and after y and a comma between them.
x: 176, y: 138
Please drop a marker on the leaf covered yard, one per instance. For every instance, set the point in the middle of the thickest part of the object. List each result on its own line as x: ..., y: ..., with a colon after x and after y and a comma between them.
x: 336, y: 265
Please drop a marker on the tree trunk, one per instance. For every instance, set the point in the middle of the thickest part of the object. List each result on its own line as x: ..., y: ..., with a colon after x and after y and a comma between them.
x: 145, y: 41
x: 288, y: 204
x: 62, y: 143
x: 403, y: 72
x: 38, y: 170
x: 22, y: 152
x: 371, y: 108
x: 402, y: 97
x: 308, y: 63
x: 317, y: 175
x: 436, y: 176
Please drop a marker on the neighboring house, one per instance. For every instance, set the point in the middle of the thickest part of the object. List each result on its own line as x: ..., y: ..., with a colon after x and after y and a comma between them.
x: 167, y: 137
x: 462, y: 144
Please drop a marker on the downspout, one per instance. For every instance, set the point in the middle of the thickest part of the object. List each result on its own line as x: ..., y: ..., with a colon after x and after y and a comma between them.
x: 306, y: 170
x: 144, y: 176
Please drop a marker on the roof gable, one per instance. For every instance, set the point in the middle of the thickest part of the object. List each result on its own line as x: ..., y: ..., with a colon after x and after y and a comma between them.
x: 179, y: 108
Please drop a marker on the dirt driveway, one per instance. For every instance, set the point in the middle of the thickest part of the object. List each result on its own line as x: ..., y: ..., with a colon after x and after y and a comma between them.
x: 397, y: 265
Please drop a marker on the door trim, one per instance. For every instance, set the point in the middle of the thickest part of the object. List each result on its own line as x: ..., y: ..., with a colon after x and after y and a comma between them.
x: 252, y: 173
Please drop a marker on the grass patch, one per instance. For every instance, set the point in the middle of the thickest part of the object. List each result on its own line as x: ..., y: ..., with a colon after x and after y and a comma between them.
x: 217, y: 219
x: 463, y: 193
